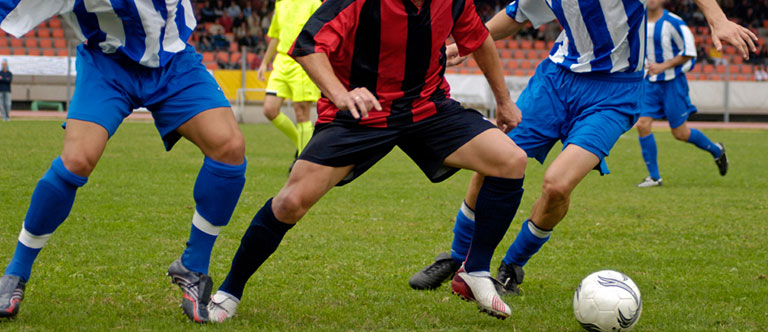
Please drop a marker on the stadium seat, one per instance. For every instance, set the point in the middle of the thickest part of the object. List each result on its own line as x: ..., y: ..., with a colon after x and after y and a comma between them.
x: 471, y: 63
x: 526, y: 44
x: 518, y: 54
x: 233, y: 47
x: 3, y: 42
x: 43, y: 32
x: 526, y: 64
x: 251, y: 58
x: 62, y: 52
x: 746, y: 69
x: 222, y: 57
x: 450, y: 70
x: 765, y: 24
x: 464, y: 71
x: 54, y: 23
x: 512, y: 64
x: 60, y: 43
x: 30, y: 34
x: 58, y: 33
x: 211, y: 66
x: 5, y: 51
x: 505, y: 54
x: 540, y: 45
x: 501, y: 44
x: 507, y: 72
x: 2, y: 33
x: 550, y: 45
x: 45, y: 42
x: 208, y: 57
x: 741, y: 78
x: 15, y: 42
x: 715, y: 77
x: 708, y: 69
x: 18, y: 51
x: 730, y: 50
x: 721, y: 69
x: 737, y: 60
x: 235, y: 57
x: 696, y: 69
x: 30, y: 42
x: 49, y: 52
x: 34, y: 51
x: 518, y: 72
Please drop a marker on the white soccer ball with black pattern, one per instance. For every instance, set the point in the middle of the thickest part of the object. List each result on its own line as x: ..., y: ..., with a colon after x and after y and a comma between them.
x: 607, y: 301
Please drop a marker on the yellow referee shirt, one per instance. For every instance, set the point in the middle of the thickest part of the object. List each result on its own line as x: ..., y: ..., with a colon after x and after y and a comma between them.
x: 288, y: 20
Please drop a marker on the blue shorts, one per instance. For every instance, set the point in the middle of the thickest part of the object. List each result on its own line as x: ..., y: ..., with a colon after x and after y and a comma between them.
x: 589, y: 110
x: 669, y: 100
x: 110, y: 86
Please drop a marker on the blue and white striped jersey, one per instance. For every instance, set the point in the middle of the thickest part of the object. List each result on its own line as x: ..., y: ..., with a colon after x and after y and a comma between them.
x: 599, y: 36
x: 667, y: 38
x: 147, y: 31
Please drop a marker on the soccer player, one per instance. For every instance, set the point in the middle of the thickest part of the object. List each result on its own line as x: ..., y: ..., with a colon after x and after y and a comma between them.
x: 288, y: 79
x: 380, y: 66
x: 670, y: 54
x: 135, y: 55
x: 586, y: 94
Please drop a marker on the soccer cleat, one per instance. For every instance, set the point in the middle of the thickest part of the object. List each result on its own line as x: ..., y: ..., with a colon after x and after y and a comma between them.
x: 650, y: 182
x: 482, y: 291
x: 197, y: 291
x: 11, y: 293
x: 509, y: 277
x: 222, y: 307
x: 436, y: 273
x: 722, y: 161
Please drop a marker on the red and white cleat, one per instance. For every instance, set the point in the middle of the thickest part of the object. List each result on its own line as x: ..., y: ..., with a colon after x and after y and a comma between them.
x: 482, y: 291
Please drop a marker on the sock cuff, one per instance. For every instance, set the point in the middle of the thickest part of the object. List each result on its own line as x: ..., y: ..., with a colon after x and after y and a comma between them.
x: 58, y: 168
x: 304, y: 124
x: 271, y: 221
x: 467, y: 211
x: 536, y: 230
x: 502, y: 185
x: 646, y: 138
x: 694, y: 133
x: 281, y: 117
x: 225, y: 170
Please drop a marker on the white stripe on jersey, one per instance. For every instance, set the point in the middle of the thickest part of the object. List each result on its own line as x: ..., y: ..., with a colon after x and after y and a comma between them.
x: 152, y: 22
x: 171, y: 41
x: 109, y: 23
x: 675, y: 38
x: 29, y: 13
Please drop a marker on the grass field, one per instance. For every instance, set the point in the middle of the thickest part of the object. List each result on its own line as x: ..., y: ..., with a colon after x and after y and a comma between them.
x: 697, y: 247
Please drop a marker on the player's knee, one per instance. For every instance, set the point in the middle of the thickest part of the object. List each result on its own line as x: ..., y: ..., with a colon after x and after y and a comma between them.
x: 79, y: 162
x: 555, y: 189
x: 271, y: 112
x: 514, y: 164
x: 681, y: 135
x: 230, y: 150
x: 644, y: 126
x: 289, y: 208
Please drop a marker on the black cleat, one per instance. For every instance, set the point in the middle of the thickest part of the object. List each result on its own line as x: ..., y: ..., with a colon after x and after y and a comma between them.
x: 722, y: 161
x: 435, y: 274
x: 197, y: 291
x: 11, y: 293
x: 510, y: 277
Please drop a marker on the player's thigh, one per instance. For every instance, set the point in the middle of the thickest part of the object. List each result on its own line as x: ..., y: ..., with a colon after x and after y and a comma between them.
x: 217, y: 134
x: 568, y: 169
x: 84, y: 143
x: 307, y: 183
x: 491, y: 153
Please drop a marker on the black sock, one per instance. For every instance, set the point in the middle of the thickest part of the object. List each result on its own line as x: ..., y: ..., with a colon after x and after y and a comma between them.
x: 496, y: 206
x: 259, y: 242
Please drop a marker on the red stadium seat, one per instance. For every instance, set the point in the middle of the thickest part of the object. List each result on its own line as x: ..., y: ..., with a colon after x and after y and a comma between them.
x: 58, y: 33
x: 46, y: 43
x: 540, y: 45
x: 464, y: 71
x: 211, y: 66
x: 34, y: 51
x: 518, y: 54
x: 505, y: 54
x: 30, y: 34
x: 235, y: 57
x: 501, y: 44
x: 512, y: 64
x: 715, y: 77
x: 30, y: 42
x: 16, y: 42
x: 737, y: 60
x: 3, y: 42
x: 222, y: 57
x: 720, y: 69
x: 526, y: 64
x: 746, y: 69
x: 741, y: 77
x: 696, y: 69
x: 2, y: 33
x: 233, y: 47
x: 526, y: 44
x: 765, y: 24
x: 18, y: 51
x: 62, y: 52
x: 208, y: 57
x: 450, y: 70
x: 507, y: 72
x: 49, y: 52
x: 729, y: 50
x: 5, y: 51
x: 518, y: 72
x: 550, y: 45
x: 471, y: 63
x: 54, y: 23
x: 708, y: 69
x: 60, y: 43
x: 251, y: 58
x: 43, y: 32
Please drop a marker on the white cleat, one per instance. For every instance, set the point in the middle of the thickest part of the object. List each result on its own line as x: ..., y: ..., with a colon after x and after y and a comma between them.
x: 222, y: 307
x: 650, y: 182
x: 482, y: 291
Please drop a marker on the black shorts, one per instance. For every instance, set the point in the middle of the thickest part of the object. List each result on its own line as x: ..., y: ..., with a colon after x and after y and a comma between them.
x: 427, y: 142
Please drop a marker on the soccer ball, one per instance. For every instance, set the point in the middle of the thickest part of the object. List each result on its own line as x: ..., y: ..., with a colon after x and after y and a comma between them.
x: 607, y: 301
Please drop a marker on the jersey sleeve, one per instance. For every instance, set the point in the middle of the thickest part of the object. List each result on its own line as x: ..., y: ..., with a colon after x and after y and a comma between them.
x: 535, y: 11
x: 331, y: 23
x: 274, y: 26
x: 469, y: 32
x: 19, y: 17
x: 689, y: 43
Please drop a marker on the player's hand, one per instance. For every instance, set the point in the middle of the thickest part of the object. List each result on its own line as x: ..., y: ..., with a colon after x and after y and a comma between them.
x: 655, y: 69
x: 508, y: 116
x: 262, y: 71
x: 452, y: 56
x: 358, y: 101
x: 738, y: 36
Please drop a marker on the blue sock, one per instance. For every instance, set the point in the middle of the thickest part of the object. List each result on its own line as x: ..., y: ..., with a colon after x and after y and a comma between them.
x: 50, y: 205
x: 528, y: 242
x: 462, y: 233
x: 497, y: 204
x: 259, y: 242
x: 700, y: 140
x: 216, y: 192
x: 648, y: 147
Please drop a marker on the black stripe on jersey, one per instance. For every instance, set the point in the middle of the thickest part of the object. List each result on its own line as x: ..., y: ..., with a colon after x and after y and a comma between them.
x: 365, y: 57
x: 457, y: 8
x: 305, y: 42
x: 439, y: 93
x: 417, y: 57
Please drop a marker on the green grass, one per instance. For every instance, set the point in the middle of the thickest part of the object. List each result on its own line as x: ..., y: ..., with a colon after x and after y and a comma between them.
x: 697, y: 247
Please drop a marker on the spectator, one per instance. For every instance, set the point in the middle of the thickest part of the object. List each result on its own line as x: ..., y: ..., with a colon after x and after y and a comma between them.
x: 240, y: 22
x: 248, y: 10
x: 716, y: 56
x: 208, y: 13
x: 5, y: 91
x: 760, y: 73
x: 218, y: 9
x: 234, y: 9
x: 703, y: 56
x: 226, y: 22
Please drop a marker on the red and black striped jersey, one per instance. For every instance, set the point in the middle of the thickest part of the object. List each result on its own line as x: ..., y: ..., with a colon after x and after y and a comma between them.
x: 394, y: 49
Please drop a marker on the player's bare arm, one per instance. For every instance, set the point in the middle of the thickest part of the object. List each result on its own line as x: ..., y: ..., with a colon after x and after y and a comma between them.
x: 358, y: 101
x: 268, y: 55
x: 658, y: 68
x: 724, y: 30
x: 500, y: 26
x: 507, y: 114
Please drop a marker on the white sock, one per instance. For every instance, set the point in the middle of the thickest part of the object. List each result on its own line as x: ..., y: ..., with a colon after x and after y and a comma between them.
x: 480, y: 273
